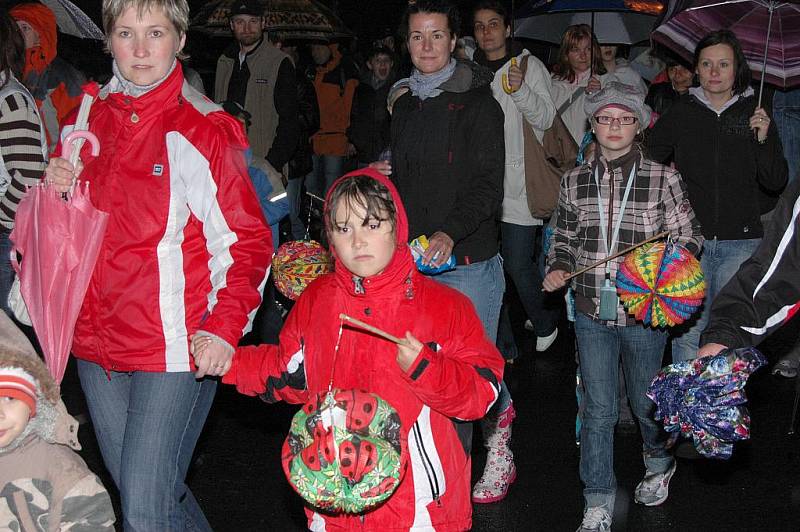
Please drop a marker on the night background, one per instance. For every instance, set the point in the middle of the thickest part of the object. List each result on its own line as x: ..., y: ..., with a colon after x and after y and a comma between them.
x: 366, y: 19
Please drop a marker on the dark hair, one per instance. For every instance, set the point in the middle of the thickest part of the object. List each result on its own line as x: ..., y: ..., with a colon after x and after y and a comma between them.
x: 439, y: 7
x: 743, y: 77
x: 380, y: 50
x: 572, y: 36
x: 12, y: 58
x: 365, y: 192
x: 497, y: 7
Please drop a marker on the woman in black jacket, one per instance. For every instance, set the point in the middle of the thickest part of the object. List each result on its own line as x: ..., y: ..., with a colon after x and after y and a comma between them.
x: 448, y: 161
x: 724, y: 148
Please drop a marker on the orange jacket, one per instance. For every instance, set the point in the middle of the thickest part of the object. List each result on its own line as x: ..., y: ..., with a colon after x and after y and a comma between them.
x: 335, y: 84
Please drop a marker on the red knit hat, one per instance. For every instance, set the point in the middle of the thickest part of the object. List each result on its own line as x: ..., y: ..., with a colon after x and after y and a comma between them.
x: 19, y: 384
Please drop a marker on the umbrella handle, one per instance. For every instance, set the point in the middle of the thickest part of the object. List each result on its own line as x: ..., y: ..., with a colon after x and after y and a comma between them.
x: 68, y: 150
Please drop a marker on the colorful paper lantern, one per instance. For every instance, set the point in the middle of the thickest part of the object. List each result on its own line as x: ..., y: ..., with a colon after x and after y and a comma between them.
x: 343, y: 453
x: 661, y: 284
x: 297, y: 263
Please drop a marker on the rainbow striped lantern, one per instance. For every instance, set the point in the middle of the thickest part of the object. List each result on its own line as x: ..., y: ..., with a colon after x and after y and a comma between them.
x: 661, y: 284
x: 297, y: 263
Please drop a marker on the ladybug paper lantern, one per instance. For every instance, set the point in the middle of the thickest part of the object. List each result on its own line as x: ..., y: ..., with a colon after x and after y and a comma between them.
x: 343, y: 453
x: 661, y: 284
x: 297, y: 263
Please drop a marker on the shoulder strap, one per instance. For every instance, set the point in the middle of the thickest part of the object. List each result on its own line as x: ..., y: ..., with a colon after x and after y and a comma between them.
x: 566, y: 105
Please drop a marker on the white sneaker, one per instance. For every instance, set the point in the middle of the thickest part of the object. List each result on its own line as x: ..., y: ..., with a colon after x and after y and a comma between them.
x: 544, y: 342
x: 595, y: 519
x: 654, y: 487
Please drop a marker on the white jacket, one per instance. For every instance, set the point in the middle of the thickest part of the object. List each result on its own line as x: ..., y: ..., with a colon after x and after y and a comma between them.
x: 574, y: 117
x: 534, y: 102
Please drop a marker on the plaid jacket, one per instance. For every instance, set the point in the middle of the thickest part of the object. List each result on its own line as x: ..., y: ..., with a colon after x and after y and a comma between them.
x: 657, y: 202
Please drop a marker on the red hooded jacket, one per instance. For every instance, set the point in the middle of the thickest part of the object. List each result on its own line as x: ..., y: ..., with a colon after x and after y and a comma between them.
x: 454, y: 379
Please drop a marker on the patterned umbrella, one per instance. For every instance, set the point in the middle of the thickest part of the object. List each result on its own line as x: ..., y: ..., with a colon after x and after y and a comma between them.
x: 661, y: 284
x: 769, y: 31
x: 703, y: 398
x: 286, y: 19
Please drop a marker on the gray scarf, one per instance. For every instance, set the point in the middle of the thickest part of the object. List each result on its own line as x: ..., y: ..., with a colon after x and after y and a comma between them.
x: 119, y: 84
x: 425, y: 86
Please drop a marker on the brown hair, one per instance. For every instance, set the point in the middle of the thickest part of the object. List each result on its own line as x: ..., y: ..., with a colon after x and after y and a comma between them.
x: 12, y: 57
x: 365, y: 192
x: 572, y: 36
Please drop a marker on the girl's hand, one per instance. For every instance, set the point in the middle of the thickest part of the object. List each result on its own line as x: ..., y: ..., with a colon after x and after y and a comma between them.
x: 61, y: 174
x: 760, y: 123
x: 514, y: 77
x: 407, y: 353
x: 555, y: 280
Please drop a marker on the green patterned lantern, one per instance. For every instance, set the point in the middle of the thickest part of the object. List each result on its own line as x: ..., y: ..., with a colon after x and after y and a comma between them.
x: 343, y: 453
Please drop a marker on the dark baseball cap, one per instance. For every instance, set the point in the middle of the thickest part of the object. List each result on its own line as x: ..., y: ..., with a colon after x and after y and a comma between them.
x: 247, y: 7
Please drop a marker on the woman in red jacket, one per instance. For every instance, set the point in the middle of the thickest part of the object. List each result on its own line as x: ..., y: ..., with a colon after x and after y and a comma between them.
x: 447, y: 373
x: 185, y: 253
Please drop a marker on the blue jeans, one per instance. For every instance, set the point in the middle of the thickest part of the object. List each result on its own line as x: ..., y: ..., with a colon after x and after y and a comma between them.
x: 6, y: 270
x: 720, y: 260
x: 786, y: 116
x: 599, y: 348
x: 327, y: 169
x: 522, y: 250
x: 147, y: 425
x: 484, y: 284
x: 294, y: 192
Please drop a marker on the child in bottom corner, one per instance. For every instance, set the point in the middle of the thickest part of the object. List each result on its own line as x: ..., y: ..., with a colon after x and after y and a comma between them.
x: 44, y: 485
x: 615, y: 199
x: 446, y: 372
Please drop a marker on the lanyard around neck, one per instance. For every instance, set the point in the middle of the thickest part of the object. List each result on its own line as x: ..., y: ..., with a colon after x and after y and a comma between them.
x: 603, y: 225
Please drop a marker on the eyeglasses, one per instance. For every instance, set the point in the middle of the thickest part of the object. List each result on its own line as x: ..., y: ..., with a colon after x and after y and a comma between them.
x: 622, y: 120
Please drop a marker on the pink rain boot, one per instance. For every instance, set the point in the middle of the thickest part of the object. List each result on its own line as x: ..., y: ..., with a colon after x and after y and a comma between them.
x: 499, y: 472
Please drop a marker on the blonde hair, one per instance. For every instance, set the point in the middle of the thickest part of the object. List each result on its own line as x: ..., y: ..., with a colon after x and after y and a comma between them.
x: 176, y: 11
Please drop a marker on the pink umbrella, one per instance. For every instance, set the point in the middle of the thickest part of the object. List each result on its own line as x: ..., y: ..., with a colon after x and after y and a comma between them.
x: 59, y: 241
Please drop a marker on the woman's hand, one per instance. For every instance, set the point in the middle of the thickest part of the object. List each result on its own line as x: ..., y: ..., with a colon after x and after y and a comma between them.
x: 61, y: 174
x: 440, y: 247
x: 407, y: 353
x: 760, y: 123
x: 709, y: 350
x: 555, y: 280
x: 384, y: 167
x: 514, y: 76
x: 593, y: 85
x: 211, y: 357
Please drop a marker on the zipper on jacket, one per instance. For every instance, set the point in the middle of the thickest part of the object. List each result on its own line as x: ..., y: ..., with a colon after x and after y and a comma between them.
x: 433, y: 481
x: 716, y: 174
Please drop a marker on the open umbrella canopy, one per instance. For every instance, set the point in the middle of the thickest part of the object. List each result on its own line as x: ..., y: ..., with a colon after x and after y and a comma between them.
x: 749, y: 20
x: 71, y: 20
x: 615, y: 21
x: 287, y: 19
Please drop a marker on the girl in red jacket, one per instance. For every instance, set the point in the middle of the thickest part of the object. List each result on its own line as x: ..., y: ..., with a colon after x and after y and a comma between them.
x: 448, y: 372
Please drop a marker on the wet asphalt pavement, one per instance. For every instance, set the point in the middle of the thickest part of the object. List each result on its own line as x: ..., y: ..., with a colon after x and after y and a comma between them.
x: 238, y: 480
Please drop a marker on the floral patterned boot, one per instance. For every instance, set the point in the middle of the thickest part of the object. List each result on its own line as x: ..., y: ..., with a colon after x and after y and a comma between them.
x: 499, y: 472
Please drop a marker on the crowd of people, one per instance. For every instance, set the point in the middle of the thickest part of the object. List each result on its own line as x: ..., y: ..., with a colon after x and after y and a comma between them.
x: 427, y: 138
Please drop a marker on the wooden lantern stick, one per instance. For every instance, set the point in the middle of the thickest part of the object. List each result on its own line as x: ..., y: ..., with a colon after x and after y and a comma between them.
x: 367, y: 327
x: 617, y: 254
